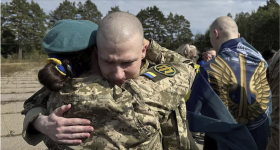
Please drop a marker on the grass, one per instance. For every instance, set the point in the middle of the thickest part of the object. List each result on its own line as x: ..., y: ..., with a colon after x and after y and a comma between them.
x: 30, y: 61
x: 9, y: 68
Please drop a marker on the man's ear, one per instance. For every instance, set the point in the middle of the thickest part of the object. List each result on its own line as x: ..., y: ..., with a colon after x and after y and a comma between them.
x: 238, y: 35
x: 216, y: 33
x: 144, y: 51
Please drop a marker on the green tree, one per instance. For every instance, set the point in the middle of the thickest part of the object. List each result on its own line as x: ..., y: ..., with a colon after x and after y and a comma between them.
x: 23, y: 26
x: 153, y: 22
x: 202, y: 41
x: 229, y: 15
x: 65, y: 10
x: 244, y: 25
x: 37, y: 27
x: 177, y: 31
x: 114, y: 9
x: 207, y: 42
x: 18, y: 22
x: 89, y: 11
x: 8, y: 43
x: 170, y: 30
x: 265, y: 26
x: 199, y: 40
x: 4, y: 13
x: 261, y: 27
x: 182, y: 30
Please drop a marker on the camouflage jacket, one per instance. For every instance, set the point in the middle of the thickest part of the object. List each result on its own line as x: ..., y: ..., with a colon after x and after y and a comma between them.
x: 274, y: 86
x: 144, y: 113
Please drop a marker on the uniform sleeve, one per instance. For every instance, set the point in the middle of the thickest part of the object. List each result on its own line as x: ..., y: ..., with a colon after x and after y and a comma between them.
x: 29, y: 133
x: 39, y: 99
x: 157, y: 54
x: 178, y: 122
x: 33, y: 107
x: 175, y: 131
x: 274, y: 86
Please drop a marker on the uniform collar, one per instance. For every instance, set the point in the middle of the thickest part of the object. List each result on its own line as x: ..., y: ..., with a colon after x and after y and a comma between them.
x: 144, y: 68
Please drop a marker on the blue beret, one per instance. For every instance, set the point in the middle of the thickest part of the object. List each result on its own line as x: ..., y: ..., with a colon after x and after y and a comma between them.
x: 70, y: 36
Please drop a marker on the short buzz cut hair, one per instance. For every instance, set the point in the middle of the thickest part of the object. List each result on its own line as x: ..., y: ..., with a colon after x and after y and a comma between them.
x: 118, y: 27
x: 225, y: 24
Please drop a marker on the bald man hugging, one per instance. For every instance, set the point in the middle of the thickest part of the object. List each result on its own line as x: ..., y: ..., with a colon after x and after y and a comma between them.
x: 136, y: 104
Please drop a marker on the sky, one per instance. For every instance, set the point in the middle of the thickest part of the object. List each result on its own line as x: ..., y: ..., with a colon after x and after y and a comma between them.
x: 200, y: 13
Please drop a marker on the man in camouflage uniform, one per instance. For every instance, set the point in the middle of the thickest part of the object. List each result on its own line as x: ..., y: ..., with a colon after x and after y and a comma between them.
x: 274, y: 86
x: 145, y: 109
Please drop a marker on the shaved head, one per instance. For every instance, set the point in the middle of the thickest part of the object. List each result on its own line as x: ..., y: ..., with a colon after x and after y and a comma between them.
x: 120, y: 47
x: 118, y: 27
x: 223, y: 29
x: 226, y: 25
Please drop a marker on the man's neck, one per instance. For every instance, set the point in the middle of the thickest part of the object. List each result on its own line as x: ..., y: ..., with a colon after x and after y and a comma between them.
x: 223, y: 40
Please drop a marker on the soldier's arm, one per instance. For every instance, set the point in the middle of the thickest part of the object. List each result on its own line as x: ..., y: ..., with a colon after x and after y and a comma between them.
x: 274, y: 85
x: 157, y: 54
x: 29, y: 133
x: 36, y: 100
x: 176, y: 134
x: 33, y: 107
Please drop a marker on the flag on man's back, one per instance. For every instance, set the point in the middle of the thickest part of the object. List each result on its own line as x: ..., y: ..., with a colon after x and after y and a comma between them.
x: 216, y: 120
x: 233, y: 88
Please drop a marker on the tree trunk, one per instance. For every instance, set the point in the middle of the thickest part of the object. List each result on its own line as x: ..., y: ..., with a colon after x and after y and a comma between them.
x: 19, y: 52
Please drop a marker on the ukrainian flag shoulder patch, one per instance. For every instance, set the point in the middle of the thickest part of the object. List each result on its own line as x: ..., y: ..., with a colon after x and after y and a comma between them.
x: 150, y: 75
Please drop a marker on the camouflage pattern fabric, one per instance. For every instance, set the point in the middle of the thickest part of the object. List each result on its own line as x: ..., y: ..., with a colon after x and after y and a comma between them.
x: 274, y: 86
x: 141, y: 114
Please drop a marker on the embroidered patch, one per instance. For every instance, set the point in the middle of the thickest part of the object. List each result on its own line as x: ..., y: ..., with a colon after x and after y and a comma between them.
x: 165, y: 70
x: 150, y: 75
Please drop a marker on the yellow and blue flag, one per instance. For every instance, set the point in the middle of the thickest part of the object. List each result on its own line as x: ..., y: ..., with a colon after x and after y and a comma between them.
x: 231, y: 95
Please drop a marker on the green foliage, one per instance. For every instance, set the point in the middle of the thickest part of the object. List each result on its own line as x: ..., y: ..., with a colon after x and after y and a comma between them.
x: 264, y: 27
x: 169, y: 32
x: 114, y: 9
x: 8, y: 43
x: 89, y: 11
x: 4, y: 60
x: 182, y: 30
x: 24, y: 24
x: 177, y: 30
x: 229, y: 15
x: 260, y: 28
x: 153, y: 22
x: 66, y: 10
x: 36, y: 55
x: 22, y: 27
x: 202, y: 41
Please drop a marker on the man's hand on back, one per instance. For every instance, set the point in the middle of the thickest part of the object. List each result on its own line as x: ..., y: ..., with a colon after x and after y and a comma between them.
x: 206, y: 56
x: 63, y: 130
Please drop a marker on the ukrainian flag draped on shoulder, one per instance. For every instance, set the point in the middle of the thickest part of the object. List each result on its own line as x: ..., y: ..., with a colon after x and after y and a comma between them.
x: 230, y: 98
